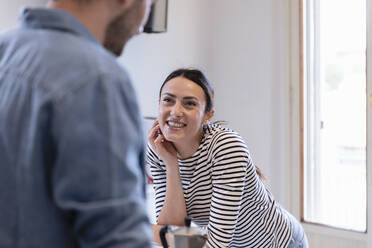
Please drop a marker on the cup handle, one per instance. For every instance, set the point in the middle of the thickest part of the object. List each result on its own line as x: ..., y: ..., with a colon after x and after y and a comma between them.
x: 162, y: 232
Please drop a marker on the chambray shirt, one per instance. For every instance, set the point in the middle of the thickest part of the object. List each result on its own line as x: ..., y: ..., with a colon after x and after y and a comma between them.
x: 71, y: 142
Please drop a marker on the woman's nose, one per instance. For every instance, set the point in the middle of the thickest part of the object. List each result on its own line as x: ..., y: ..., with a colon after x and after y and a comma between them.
x: 177, y: 110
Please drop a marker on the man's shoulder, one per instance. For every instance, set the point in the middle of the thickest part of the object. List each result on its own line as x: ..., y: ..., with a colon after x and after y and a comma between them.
x: 82, y: 61
x: 64, y: 48
x: 85, y: 54
x: 59, y: 62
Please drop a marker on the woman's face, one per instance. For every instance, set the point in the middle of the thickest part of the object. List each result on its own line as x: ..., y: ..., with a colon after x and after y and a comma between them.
x: 182, y: 110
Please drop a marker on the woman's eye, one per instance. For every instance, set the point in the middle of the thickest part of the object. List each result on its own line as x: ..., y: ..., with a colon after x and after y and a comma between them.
x: 166, y: 99
x: 192, y: 104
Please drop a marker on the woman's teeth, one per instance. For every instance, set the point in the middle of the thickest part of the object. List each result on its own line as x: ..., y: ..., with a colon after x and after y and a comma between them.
x: 176, y: 124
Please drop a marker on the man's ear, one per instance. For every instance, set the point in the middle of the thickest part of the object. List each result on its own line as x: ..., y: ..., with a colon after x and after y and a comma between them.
x: 208, y: 117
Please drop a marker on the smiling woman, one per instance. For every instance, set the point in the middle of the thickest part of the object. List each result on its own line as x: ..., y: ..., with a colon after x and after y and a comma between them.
x: 205, y: 171
x: 183, y: 111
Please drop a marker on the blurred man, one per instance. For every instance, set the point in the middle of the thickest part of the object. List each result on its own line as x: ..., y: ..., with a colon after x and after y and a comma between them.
x: 71, y: 146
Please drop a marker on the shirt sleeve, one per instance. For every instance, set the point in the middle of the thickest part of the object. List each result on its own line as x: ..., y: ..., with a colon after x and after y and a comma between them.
x: 98, y: 177
x: 229, y: 170
x: 158, y: 173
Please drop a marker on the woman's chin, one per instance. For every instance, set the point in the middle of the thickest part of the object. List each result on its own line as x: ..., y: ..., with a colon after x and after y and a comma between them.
x: 173, y: 138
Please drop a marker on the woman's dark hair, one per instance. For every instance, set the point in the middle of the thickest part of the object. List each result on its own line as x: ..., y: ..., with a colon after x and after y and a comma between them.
x: 197, y: 77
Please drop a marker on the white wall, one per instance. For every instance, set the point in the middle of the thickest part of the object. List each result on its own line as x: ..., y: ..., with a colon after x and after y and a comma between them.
x: 249, y: 71
x: 242, y: 47
x: 9, y: 10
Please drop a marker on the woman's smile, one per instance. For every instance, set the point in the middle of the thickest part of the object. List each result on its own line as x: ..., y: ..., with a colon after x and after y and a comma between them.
x: 175, y: 125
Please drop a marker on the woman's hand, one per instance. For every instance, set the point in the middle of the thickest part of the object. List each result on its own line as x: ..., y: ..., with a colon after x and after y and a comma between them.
x: 161, y: 146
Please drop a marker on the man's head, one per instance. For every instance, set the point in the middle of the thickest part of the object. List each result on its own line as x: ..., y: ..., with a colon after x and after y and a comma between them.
x: 112, y: 22
x: 129, y: 23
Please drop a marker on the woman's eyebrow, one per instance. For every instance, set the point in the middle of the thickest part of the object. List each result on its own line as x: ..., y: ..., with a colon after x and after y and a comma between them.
x: 191, y: 98
x: 185, y: 97
x: 169, y: 94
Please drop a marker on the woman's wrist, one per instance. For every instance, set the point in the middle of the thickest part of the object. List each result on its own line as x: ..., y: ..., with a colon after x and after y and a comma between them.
x: 172, y: 164
x: 173, y: 172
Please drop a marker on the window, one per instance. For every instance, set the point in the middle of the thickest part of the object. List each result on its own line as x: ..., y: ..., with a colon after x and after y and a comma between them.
x: 334, y: 113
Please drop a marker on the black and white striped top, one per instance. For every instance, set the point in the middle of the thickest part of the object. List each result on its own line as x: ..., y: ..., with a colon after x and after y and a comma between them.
x: 224, y: 193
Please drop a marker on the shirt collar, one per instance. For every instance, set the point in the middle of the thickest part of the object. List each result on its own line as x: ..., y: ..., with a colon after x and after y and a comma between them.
x: 54, y: 19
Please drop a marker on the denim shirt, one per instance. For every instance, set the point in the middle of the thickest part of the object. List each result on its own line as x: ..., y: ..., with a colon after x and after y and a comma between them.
x: 71, y: 142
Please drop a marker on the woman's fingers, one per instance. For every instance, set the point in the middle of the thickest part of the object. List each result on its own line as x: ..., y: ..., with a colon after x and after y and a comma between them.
x: 153, y: 132
x: 158, y: 142
x: 159, y: 139
x: 155, y: 123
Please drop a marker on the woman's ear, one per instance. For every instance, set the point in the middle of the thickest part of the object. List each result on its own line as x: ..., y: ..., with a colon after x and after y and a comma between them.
x: 208, y: 117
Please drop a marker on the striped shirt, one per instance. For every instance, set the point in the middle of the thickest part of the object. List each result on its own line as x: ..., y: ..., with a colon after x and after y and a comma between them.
x: 224, y: 193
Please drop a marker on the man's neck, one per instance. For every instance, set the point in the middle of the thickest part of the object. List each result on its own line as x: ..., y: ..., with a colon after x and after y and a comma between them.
x: 94, y: 16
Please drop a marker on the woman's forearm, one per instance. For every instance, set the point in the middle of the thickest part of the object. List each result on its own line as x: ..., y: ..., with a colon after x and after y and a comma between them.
x: 174, y: 207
